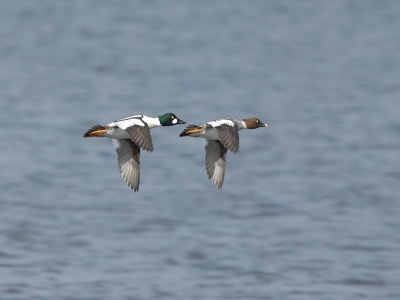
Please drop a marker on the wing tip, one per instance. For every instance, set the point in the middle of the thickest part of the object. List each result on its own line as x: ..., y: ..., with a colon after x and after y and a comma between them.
x: 218, y: 185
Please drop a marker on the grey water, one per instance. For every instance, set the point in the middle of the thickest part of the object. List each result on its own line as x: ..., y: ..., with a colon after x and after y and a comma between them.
x: 310, y: 206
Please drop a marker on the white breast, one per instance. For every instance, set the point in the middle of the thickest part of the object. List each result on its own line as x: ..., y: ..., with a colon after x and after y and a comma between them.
x: 152, y: 122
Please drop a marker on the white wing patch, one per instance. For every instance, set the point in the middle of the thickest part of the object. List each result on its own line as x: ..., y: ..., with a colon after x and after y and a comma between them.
x: 130, y: 117
x: 123, y: 124
x: 220, y: 122
x: 140, y: 120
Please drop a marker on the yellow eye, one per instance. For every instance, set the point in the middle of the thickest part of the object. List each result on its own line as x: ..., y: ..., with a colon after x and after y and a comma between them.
x: 257, y: 121
x: 172, y: 117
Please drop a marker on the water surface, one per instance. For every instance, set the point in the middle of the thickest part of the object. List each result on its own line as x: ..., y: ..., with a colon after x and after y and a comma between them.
x: 309, y: 208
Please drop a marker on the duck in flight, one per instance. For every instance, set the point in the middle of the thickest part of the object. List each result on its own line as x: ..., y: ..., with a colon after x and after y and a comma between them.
x: 128, y: 136
x: 219, y: 136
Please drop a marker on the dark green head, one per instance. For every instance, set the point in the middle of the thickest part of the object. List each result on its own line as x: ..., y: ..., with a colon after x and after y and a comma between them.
x: 169, y: 119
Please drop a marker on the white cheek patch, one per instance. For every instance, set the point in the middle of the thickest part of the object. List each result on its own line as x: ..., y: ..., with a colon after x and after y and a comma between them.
x: 174, y: 121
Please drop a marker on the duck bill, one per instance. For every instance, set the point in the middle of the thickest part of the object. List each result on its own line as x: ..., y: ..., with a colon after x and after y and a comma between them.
x: 262, y: 124
x: 179, y: 121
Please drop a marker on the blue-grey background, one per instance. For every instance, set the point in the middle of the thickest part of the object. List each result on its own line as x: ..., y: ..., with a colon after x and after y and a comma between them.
x: 310, y: 205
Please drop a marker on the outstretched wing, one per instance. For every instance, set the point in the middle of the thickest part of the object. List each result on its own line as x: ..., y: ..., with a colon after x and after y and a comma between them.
x: 229, y: 136
x: 215, y: 161
x: 128, y: 162
x: 140, y: 135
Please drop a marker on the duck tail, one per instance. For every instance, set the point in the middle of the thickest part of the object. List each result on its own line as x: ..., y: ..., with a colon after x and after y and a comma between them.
x: 190, y: 130
x: 95, y: 131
